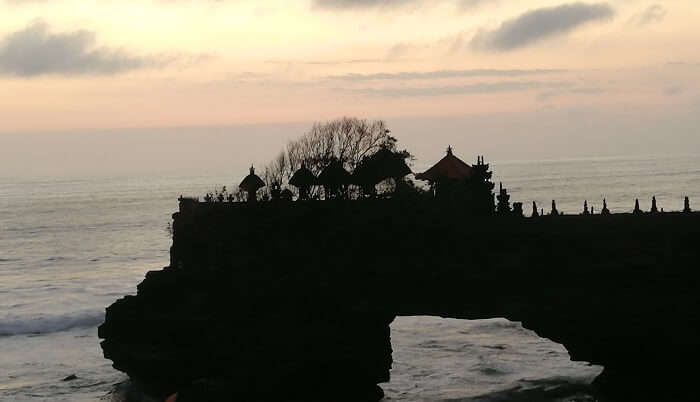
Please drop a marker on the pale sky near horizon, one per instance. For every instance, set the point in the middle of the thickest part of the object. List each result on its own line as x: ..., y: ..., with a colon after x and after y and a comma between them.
x: 621, y: 68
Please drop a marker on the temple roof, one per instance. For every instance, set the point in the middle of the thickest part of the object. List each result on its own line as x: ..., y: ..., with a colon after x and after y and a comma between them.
x: 303, y: 178
x: 449, y: 167
x: 334, y: 174
x: 252, y: 182
x: 381, y: 165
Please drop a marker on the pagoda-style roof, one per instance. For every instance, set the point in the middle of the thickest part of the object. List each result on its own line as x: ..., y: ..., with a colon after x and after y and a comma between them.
x: 381, y: 165
x: 252, y: 182
x: 303, y: 178
x: 449, y: 167
x: 334, y: 175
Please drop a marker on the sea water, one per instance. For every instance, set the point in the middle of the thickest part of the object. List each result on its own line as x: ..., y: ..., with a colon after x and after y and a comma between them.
x: 69, y: 247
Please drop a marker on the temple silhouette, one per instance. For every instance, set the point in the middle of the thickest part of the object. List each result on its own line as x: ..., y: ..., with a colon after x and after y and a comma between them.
x: 288, y: 294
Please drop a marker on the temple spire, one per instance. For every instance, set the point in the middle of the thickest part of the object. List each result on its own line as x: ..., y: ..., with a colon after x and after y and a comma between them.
x: 605, y: 210
x: 637, y: 210
x: 554, y: 208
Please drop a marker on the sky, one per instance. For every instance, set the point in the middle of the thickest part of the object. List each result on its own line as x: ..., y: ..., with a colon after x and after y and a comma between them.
x: 517, y: 79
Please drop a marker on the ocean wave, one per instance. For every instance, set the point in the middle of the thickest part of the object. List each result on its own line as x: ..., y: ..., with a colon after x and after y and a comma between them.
x: 549, y: 390
x: 51, y: 324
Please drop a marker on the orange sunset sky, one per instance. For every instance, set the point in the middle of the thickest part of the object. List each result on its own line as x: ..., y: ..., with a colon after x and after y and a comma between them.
x: 85, y: 65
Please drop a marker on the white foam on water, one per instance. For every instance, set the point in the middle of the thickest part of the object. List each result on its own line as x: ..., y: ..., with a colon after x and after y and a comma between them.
x: 51, y: 324
x: 443, y: 359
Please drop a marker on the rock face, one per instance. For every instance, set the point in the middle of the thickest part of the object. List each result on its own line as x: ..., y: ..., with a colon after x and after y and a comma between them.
x: 293, y: 301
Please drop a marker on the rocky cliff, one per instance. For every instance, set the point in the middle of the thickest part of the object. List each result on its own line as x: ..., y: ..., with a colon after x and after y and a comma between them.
x: 293, y: 301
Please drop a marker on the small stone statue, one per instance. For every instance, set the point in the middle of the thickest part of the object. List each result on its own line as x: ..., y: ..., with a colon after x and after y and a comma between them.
x: 605, y: 210
x: 585, y: 208
x: 686, y: 208
x: 535, y: 214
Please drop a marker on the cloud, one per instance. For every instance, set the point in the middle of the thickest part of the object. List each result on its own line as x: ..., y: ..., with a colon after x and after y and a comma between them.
x: 415, y: 75
x: 341, y: 4
x: 479, y: 88
x: 36, y: 51
x: 543, y: 96
x: 539, y: 24
x: 361, y: 4
x: 468, y: 4
x: 653, y: 14
x: 673, y: 90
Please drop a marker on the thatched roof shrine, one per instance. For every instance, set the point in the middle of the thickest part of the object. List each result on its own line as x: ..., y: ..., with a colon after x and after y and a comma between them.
x: 252, y: 182
x: 303, y: 178
x: 381, y: 165
x: 334, y: 175
x: 449, y: 167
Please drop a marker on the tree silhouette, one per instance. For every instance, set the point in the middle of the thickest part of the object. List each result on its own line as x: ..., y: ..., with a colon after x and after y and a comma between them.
x: 346, y: 140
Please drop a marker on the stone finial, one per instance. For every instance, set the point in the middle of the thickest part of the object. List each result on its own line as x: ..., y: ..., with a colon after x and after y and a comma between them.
x: 686, y: 205
x: 535, y: 214
x: 449, y: 149
x: 605, y: 210
x: 585, y: 208
x: 654, y: 210
x: 503, y: 206
x: 637, y: 210
x: 554, y: 211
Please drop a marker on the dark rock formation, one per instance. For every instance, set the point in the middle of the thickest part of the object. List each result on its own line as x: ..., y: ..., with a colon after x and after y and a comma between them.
x: 293, y: 301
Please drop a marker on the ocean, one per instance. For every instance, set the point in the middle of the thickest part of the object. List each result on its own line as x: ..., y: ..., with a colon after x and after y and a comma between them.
x: 70, y: 246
